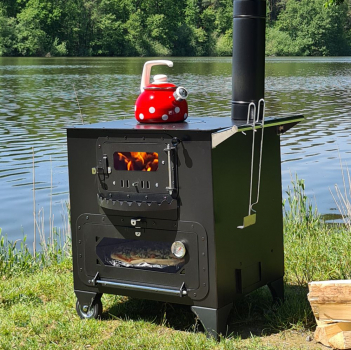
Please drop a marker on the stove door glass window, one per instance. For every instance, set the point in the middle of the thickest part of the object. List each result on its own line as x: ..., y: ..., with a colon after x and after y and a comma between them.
x: 138, y: 254
x: 135, y: 161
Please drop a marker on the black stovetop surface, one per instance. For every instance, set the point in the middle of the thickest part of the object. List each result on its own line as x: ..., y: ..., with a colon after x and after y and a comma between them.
x: 195, y: 123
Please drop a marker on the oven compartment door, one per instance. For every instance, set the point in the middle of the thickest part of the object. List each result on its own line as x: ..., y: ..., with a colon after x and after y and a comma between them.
x: 141, y: 259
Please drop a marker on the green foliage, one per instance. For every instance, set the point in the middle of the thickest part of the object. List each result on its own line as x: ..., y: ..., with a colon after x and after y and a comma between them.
x: 309, y: 28
x: 7, y: 34
x: 224, y: 45
x: 17, y: 258
x: 167, y: 27
x: 313, y: 250
x: 279, y: 43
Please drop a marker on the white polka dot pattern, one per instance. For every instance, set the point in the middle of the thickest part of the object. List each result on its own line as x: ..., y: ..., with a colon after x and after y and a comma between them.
x: 152, y: 109
x: 141, y: 116
x: 165, y: 117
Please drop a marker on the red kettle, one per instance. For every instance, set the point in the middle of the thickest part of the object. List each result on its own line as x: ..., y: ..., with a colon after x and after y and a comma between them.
x: 160, y: 101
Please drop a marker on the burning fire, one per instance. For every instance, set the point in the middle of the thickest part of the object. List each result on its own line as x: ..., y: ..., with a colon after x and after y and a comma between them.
x: 138, y: 161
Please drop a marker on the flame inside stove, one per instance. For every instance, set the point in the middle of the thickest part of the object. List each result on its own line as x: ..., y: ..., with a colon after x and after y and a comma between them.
x: 136, y: 161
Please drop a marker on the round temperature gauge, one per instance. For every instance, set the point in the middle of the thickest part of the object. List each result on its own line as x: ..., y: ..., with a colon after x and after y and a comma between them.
x: 178, y: 249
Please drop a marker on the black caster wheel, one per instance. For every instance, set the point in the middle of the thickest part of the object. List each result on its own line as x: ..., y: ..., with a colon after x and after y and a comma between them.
x: 87, y: 313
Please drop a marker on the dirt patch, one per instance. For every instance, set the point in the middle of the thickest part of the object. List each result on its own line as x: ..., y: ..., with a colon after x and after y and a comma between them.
x: 292, y: 340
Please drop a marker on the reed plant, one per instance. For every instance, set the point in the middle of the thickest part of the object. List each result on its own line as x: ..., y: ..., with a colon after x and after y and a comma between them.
x: 314, y: 250
x: 17, y: 257
x: 342, y: 196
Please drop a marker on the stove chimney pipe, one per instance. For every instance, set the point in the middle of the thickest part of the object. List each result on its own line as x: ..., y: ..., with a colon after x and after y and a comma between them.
x: 249, y: 35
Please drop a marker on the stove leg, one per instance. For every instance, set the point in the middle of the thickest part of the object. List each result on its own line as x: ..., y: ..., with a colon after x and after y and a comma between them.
x: 277, y: 290
x: 213, y: 320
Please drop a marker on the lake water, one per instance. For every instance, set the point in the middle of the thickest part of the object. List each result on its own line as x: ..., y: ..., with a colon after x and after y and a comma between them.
x: 38, y: 99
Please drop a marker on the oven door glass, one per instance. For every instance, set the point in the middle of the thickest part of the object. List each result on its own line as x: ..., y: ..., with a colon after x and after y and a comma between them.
x: 138, y: 254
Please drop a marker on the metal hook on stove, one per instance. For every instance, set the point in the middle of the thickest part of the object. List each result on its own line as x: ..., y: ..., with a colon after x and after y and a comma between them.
x: 250, y: 219
x: 252, y: 107
x: 261, y: 101
x: 261, y: 150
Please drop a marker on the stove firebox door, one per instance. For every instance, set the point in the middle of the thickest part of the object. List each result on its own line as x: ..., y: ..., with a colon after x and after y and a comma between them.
x: 137, y: 174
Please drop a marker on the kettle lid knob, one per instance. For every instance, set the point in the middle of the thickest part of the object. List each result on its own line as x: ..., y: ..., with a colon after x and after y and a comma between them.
x: 160, y: 78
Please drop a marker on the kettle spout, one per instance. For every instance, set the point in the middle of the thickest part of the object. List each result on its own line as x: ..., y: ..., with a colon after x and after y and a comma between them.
x: 145, y: 78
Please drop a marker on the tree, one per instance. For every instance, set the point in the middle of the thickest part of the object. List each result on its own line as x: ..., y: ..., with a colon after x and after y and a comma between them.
x: 311, y: 29
x: 7, y: 34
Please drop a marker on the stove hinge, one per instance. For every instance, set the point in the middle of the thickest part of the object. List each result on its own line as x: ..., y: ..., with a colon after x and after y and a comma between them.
x: 172, y: 154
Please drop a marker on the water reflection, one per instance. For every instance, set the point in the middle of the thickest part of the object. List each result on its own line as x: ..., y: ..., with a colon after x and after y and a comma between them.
x: 38, y: 100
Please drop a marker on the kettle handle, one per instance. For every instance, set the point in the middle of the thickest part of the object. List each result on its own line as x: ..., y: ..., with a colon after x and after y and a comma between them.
x: 145, y: 78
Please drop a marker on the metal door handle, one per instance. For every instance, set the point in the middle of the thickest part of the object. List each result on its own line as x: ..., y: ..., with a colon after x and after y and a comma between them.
x: 175, y: 292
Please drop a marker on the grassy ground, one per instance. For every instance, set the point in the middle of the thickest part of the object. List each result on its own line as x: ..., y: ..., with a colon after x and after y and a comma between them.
x: 37, y: 302
x: 37, y: 312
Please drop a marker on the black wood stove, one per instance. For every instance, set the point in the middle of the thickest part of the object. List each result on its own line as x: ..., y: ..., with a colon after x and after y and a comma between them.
x: 187, y: 213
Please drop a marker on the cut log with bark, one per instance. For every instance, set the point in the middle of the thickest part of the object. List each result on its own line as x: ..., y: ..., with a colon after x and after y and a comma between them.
x: 324, y: 333
x: 341, y: 340
x: 331, y: 305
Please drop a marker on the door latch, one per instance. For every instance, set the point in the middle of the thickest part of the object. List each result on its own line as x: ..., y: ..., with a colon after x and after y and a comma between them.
x: 104, y: 168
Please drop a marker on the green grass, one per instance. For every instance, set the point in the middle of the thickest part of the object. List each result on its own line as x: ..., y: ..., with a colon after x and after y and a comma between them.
x: 37, y: 312
x: 313, y: 250
x: 37, y: 302
x: 16, y: 257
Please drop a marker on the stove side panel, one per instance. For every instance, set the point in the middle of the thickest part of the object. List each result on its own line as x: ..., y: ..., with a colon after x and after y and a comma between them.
x: 251, y: 257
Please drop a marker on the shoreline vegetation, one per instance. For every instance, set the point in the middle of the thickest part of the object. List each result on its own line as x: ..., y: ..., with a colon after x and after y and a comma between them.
x: 167, y: 28
x: 37, y: 298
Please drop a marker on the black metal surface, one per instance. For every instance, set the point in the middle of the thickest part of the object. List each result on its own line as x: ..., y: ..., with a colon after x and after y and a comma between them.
x: 249, y: 258
x: 213, y: 320
x: 197, y: 126
x: 223, y: 262
x: 248, y: 55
